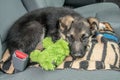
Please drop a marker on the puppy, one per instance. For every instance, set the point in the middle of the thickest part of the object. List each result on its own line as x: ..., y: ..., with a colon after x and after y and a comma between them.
x: 32, y: 27
x: 27, y: 33
x: 77, y: 32
x: 57, y: 23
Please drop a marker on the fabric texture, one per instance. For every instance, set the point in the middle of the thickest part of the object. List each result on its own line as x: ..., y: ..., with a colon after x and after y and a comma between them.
x: 66, y: 74
x: 0, y: 49
x: 92, y: 10
x: 35, y: 4
x: 10, y: 11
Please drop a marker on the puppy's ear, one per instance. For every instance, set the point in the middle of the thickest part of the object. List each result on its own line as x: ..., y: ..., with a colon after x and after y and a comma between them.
x: 94, y: 24
x: 65, y: 22
x: 108, y: 27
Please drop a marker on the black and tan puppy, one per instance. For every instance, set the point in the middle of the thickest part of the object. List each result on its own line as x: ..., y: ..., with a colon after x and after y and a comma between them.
x: 77, y: 31
x: 31, y: 28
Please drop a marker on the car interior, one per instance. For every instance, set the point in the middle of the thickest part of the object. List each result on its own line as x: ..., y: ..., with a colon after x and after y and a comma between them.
x: 104, y: 10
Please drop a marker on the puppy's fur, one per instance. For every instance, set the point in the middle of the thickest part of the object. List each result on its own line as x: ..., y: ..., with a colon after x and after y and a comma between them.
x: 60, y: 22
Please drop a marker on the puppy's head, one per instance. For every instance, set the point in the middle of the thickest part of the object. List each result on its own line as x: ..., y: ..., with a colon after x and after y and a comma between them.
x: 77, y: 31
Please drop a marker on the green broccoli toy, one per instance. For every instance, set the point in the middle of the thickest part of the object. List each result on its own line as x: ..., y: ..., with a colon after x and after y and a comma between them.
x: 53, y: 54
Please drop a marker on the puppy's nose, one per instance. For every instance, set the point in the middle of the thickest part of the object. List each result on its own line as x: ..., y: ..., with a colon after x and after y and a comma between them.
x: 79, y: 54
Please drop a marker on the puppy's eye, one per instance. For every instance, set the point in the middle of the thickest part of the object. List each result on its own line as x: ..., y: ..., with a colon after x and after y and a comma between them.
x: 70, y: 38
x: 84, y: 37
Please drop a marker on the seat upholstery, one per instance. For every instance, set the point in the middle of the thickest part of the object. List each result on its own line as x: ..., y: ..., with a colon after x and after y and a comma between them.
x: 10, y: 11
x: 0, y: 49
x: 67, y: 74
x: 92, y: 10
x: 35, y: 4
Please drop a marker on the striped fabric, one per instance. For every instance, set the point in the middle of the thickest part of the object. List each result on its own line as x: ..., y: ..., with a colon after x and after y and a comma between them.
x: 6, y: 64
x: 101, y: 55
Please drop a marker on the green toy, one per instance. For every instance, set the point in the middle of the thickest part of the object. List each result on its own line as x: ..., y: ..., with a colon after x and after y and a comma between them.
x: 53, y: 54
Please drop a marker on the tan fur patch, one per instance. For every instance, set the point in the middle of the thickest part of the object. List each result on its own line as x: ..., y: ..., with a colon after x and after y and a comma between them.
x: 86, y: 23
x: 93, y: 20
x: 39, y: 46
x: 62, y: 36
x: 67, y: 20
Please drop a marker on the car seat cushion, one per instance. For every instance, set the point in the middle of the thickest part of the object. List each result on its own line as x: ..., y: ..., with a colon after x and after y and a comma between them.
x: 35, y: 4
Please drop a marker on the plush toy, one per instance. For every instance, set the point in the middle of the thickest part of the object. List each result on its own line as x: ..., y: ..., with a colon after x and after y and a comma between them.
x: 52, y: 55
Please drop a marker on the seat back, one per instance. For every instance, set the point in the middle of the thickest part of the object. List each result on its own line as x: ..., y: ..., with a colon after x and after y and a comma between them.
x: 35, y: 4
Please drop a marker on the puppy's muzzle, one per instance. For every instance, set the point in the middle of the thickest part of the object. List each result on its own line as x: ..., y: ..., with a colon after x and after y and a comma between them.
x: 78, y: 54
